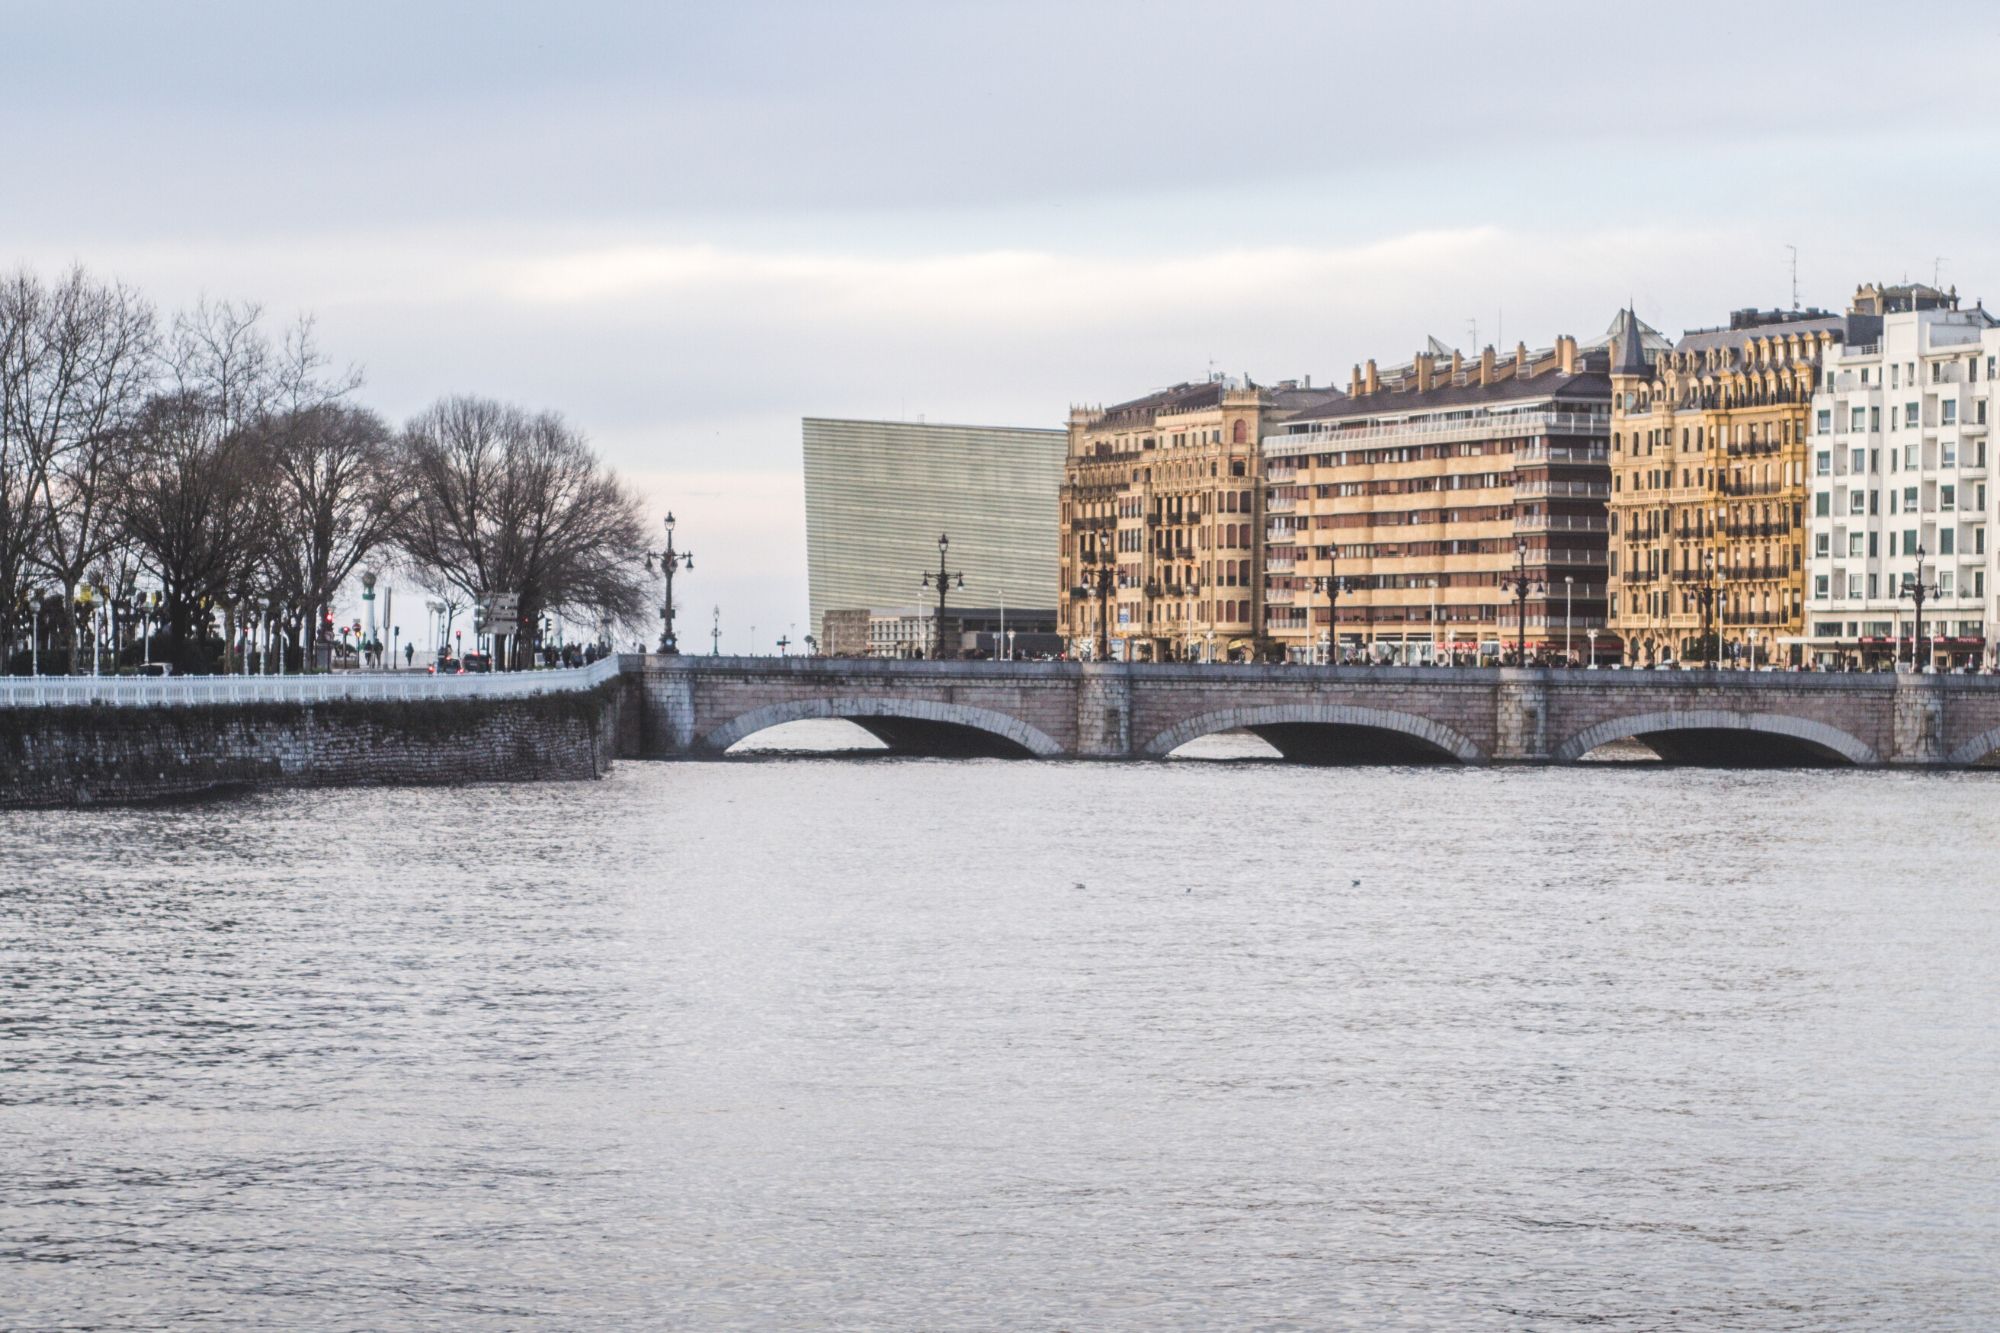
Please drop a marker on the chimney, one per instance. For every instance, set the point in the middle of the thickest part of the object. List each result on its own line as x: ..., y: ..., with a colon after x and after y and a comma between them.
x: 1486, y: 364
x: 1520, y: 361
x: 1374, y: 381
x: 1566, y: 354
x: 1457, y: 367
x: 1422, y: 360
x: 1354, y: 385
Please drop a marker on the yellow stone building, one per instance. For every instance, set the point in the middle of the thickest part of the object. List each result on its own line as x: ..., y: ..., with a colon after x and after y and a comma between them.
x: 1708, y: 490
x: 1403, y: 516
x: 1164, y: 492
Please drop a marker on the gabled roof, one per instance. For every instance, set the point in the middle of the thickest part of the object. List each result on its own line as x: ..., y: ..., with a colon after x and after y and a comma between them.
x: 1629, y: 345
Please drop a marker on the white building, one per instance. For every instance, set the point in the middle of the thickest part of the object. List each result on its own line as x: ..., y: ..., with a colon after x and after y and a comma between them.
x: 1900, y: 486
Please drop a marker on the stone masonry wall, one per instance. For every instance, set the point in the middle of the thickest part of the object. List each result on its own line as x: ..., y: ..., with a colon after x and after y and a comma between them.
x: 110, y: 755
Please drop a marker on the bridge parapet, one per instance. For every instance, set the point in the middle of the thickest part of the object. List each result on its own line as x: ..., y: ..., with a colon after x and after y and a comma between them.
x: 697, y: 705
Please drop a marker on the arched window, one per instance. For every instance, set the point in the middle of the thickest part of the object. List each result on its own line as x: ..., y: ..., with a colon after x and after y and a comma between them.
x: 1239, y: 432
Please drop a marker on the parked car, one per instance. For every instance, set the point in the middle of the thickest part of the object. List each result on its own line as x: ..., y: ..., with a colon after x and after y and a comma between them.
x: 476, y: 663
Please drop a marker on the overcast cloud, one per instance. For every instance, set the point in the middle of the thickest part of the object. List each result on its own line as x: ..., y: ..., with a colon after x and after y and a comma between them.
x: 688, y: 226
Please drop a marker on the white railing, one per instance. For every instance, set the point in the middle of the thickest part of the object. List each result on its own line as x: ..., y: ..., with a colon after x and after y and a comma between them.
x: 189, y: 691
x: 1535, y: 487
x: 1562, y: 522
x: 1322, y: 437
x: 1281, y: 504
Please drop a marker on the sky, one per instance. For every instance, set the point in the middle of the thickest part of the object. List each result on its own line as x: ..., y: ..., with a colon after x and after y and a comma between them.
x: 686, y: 226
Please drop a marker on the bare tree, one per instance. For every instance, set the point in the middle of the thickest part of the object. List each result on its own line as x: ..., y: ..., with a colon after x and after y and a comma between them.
x: 78, y: 364
x: 339, y: 498
x: 195, y: 500
x: 506, y: 501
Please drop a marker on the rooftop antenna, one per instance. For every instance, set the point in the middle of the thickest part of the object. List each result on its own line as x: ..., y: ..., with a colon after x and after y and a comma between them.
x: 1795, y: 275
x: 1937, y: 265
x: 1472, y: 325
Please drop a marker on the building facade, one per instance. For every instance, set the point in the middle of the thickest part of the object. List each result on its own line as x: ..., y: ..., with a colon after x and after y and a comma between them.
x: 880, y: 493
x: 1899, y: 488
x: 1161, y: 516
x: 1708, y: 488
x: 1404, y: 517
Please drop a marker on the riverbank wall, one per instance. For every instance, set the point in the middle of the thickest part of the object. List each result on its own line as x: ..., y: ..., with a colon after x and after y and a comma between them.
x: 99, y: 754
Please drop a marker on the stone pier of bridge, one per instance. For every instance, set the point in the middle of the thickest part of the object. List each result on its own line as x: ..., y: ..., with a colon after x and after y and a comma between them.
x: 701, y: 706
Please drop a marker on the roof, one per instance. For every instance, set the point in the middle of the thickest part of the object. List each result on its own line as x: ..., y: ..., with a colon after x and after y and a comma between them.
x: 1777, y: 324
x: 1629, y: 356
x: 1180, y: 398
x: 1585, y: 386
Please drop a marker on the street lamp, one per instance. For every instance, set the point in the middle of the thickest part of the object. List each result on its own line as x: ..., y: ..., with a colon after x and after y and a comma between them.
x: 943, y: 581
x: 1521, y: 585
x: 1918, y: 592
x: 1569, y: 587
x: 1332, y: 585
x: 1100, y: 577
x: 671, y: 562
x: 1592, y: 636
x: 1705, y: 593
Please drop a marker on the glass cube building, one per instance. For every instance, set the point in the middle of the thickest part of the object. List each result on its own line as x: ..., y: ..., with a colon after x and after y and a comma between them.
x: 880, y: 493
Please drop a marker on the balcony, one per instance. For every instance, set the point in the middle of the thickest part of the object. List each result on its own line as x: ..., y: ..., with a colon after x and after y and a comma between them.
x: 1566, y: 556
x: 1562, y: 523
x: 1278, y: 597
x: 1280, y: 564
x: 1280, y: 536
x: 1281, y: 504
x: 1322, y: 437
x: 1542, y: 488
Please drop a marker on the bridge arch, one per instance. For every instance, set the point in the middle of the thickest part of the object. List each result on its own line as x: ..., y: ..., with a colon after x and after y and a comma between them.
x: 1980, y: 747
x: 1327, y: 734
x: 1704, y: 735
x: 911, y: 726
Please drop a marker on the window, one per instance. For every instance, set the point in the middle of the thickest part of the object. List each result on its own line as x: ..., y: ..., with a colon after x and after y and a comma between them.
x: 1909, y: 500
x: 1857, y: 461
x: 1909, y: 414
x: 1979, y: 541
x: 1944, y: 583
x: 1822, y: 545
x: 1948, y: 499
x: 1947, y: 540
x: 1910, y: 457
x: 1909, y: 541
x: 1949, y: 409
x: 1948, y: 454
x: 1874, y: 418
x: 1860, y: 419
x: 1855, y: 584
x: 1823, y: 463
x: 1855, y: 500
x: 1822, y: 504
x: 1819, y: 587
x: 1854, y: 543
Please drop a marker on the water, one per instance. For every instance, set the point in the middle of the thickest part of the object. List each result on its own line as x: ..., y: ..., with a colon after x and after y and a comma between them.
x: 903, y: 1044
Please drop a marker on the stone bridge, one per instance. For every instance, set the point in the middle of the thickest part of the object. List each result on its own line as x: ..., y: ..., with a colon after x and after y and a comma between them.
x: 699, y: 706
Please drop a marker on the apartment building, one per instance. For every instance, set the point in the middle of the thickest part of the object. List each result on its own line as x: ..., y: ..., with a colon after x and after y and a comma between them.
x: 1708, y: 487
x: 1900, y: 487
x: 1444, y: 509
x: 1160, y: 513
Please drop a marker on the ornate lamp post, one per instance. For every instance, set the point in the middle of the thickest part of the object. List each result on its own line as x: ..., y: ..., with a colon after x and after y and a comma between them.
x: 715, y: 634
x: 1569, y: 589
x: 671, y: 563
x: 943, y: 581
x: 1100, y: 577
x: 1520, y: 585
x: 1705, y: 594
x: 1918, y: 592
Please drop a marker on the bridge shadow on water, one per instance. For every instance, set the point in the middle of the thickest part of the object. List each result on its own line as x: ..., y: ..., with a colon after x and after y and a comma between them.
x: 1311, y: 744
